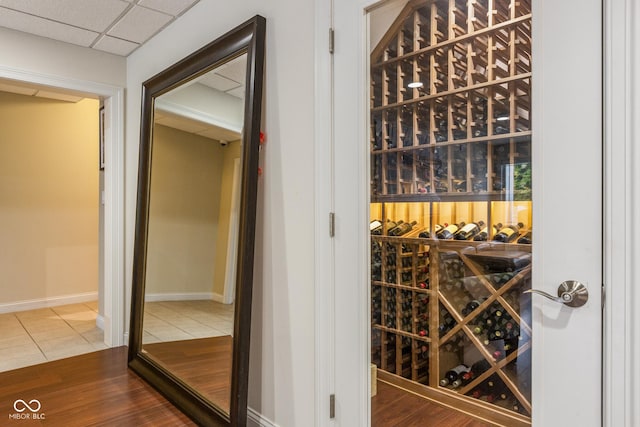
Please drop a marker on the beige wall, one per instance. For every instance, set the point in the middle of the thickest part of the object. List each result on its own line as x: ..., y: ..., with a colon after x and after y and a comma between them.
x: 183, y: 213
x: 48, y: 198
x: 231, y: 152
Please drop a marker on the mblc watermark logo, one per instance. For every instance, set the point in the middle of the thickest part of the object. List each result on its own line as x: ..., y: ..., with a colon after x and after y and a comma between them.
x: 27, y: 410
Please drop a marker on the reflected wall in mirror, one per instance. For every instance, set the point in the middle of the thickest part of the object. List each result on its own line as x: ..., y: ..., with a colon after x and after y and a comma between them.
x: 193, y: 261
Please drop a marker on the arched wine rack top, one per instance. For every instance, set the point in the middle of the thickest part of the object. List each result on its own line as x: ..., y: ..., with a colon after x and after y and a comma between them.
x: 451, y: 103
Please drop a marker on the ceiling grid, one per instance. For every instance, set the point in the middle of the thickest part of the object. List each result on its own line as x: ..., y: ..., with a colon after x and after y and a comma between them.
x: 114, y: 26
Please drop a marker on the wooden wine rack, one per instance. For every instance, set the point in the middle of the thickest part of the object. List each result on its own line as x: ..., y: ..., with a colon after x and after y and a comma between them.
x: 430, y: 279
x: 463, y: 136
x: 454, y: 136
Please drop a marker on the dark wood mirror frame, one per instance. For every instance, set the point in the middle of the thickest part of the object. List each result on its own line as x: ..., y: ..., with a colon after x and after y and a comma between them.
x: 248, y: 38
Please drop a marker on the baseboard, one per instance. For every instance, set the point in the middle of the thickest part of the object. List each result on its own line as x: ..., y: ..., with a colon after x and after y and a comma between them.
x: 186, y: 296
x: 35, y: 304
x: 217, y: 297
x: 100, y: 322
x: 257, y: 420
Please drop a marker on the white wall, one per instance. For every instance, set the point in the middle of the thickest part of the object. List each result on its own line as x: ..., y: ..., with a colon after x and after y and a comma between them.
x: 281, y: 383
x: 26, y: 52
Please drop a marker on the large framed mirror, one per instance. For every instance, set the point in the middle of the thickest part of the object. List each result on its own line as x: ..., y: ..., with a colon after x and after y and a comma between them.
x: 195, y: 227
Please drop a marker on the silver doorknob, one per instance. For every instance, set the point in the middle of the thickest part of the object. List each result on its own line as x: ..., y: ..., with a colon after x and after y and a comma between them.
x: 570, y: 292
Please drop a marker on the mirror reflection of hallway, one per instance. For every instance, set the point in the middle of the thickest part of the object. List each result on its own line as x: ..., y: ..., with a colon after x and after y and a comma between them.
x: 193, y: 230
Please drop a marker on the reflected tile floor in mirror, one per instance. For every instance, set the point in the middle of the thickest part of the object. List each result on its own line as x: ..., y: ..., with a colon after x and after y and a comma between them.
x: 184, y: 320
x: 37, y: 336
x: 192, y: 339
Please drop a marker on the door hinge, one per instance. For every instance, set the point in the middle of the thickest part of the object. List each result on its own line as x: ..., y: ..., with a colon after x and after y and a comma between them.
x: 332, y: 406
x: 332, y: 224
x: 331, y: 40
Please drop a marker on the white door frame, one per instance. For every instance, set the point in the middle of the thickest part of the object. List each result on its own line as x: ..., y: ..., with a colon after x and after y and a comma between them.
x: 621, y: 189
x: 113, y: 249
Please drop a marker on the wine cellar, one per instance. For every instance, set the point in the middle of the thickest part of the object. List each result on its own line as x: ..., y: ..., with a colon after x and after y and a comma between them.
x: 451, y: 221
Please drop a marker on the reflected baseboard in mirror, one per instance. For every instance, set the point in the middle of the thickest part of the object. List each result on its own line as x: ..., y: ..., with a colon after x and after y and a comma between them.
x: 195, y: 227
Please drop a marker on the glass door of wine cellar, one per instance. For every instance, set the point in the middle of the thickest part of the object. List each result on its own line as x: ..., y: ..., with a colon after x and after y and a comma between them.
x: 484, y: 123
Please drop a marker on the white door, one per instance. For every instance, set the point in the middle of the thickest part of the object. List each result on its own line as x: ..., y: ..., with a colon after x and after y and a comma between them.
x: 567, y: 210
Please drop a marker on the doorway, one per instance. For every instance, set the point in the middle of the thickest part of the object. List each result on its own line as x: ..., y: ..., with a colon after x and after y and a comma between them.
x: 50, y: 224
x: 112, y: 247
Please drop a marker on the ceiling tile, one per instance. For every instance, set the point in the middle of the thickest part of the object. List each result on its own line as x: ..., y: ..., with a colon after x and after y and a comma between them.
x: 45, y: 28
x: 139, y: 24
x: 220, y: 83
x: 115, y: 46
x: 234, y: 70
x: 172, y: 7
x: 95, y: 15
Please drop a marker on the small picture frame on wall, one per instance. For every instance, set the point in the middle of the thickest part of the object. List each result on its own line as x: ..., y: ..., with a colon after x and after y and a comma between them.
x: 101, y: 137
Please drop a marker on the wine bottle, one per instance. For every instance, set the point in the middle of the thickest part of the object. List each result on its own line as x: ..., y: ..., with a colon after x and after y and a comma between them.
x: 390, y: 228
x: 478, y: 329
x: 424, y: 351
x: 468, y: 231
x: 483, y: 235
x: 480, y: 367
x: 375, y: 224
x: 426, y: 235
x: 471, y: 305
x: 495, y: 334
x: 378, y: 230
x: 448, y: 232
x: 526, y: 238
x: 508, y: 234
x: 446, y: 323
x: 401, y: 229
x: 452, y: 375
x: 477, y: 369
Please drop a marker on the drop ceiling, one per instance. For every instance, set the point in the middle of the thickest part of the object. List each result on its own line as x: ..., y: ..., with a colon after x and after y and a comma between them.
x: 114, y: 26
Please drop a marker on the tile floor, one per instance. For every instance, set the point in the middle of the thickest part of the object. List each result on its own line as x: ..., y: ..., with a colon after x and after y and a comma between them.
x: 37, y: 336
x: 183, y: 320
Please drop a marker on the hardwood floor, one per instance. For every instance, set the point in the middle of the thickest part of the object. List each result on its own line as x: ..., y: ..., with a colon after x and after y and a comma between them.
x: 94, y: 389
x: 97, y: 389
x: 204, y: 364
x: 393, y: 407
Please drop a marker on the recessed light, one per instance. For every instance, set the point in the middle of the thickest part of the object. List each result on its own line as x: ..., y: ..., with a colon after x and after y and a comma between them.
x: 414, y: 85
